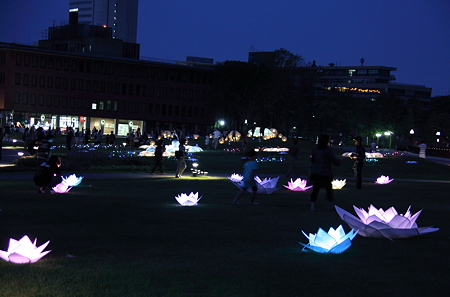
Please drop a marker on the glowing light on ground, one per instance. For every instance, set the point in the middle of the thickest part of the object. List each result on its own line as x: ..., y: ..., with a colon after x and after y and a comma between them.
x: 265, y: 186
x: 379, y: 223
x: 338, y: 184
x: 382, y: 180
x: 298, y: 185
x: 188, y: 200
x: 23, y: 251
x: 333, y: 241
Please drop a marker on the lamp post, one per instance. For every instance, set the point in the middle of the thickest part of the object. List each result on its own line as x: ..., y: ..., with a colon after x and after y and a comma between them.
x: 378, y: 135
x: 438, y: 134
x: 388, y: 133
x: 411, y: 135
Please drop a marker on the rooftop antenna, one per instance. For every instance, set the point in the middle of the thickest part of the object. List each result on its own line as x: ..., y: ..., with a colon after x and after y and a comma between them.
x: 362, y: 61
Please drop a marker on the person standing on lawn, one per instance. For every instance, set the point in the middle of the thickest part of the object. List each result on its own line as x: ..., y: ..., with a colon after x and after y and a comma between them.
x: 322, y: 158
x: 159, y: 151
x: 250, y: 167
x: 359, y: 155
x: 181, y: 161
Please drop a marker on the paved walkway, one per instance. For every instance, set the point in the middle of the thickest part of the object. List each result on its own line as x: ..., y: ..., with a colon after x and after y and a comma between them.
x: 9, y: 154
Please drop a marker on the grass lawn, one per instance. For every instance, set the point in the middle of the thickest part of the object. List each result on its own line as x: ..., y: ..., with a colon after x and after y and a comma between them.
x: 112, y: 237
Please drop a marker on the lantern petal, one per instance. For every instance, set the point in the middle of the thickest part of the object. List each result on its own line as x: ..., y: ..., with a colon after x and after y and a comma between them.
x: 400, y: 222
x: 341, y: 247
x: 18, y: 258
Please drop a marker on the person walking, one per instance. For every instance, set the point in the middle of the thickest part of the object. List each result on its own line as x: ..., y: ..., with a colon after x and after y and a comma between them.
x: 181, y: 158
x: 359, y: 155
x: 322, y: 158
x: 69, y: 138
x: 250, y: 167
x: 159, y: 157
x: 137, y: 138
x: 294, y: 151
x: 215, y: 140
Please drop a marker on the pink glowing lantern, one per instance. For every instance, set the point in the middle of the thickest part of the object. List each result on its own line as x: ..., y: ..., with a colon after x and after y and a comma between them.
x: 382, y: 180
x: 333, y: 241
x: 61, y: 188
x: 23, y: 251
x: 379, y: 223
x: 298, y: 185
x: 188, y: 200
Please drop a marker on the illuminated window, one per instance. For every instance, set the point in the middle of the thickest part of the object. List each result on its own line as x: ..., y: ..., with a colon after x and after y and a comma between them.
x: 94, y: 105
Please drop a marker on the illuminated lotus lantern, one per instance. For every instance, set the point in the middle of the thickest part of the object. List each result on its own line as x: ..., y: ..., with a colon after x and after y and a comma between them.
x: 72, y: 180
x: 188, y: 200
x: 234, y: 136
x: 333, y: 241
x: 23, y: 251
x: 235, y: 177
x: 299, y: 185
x: 265, y: 186
x: 61, y: 188
x: 338, y: 184
x: 196, y: 136
x: 382, y: 180
x: 379, y: 223
x: 284, y: 138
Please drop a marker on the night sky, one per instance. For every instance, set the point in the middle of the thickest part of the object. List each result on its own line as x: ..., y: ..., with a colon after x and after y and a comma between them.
x: 411, y: 35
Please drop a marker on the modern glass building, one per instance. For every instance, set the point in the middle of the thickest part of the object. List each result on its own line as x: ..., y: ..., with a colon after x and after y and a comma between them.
x: 120, y: 15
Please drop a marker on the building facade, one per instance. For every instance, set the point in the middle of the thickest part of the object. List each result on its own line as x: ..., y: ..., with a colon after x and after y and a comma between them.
x: 119, y: 15
x: 57, y: 89
x: 368, y: 82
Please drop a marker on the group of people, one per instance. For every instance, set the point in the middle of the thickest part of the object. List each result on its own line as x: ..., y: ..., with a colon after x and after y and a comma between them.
x: 322, y: 159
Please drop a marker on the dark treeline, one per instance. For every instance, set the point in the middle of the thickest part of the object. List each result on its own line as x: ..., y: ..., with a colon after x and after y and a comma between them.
x: 284, y: 96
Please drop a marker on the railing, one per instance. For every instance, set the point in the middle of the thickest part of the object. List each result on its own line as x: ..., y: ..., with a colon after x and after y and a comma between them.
x: 433, y: 151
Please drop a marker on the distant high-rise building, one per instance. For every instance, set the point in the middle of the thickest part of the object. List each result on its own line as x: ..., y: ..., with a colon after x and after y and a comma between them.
x: 120, y: 15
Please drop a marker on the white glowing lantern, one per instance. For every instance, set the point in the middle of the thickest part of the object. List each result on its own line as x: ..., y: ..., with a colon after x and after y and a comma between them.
x: 298, y: 185
x: 72, y: 180
x: 379, y: 223
x: 188, y: 200
x: 235, y: 177
x: 61, y: 188
x: 23, y: 251
x: 266, y: 186
x: 333, y: 241
x: 338, y: 184
x: 382, y: 180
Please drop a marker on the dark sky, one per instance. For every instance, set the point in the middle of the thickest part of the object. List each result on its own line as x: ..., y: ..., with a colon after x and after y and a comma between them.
x: 411, y: 35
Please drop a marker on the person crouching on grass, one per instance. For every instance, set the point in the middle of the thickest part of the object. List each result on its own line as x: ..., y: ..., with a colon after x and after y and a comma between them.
x: 250, y: 167
x: 48, y: 174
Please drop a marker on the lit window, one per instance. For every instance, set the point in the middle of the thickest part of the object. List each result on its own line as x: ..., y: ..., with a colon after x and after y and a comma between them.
x: 115, y: 18
x: 94, y: 105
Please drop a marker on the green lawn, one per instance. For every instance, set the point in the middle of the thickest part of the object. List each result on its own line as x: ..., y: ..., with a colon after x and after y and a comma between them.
x: 112, y: 237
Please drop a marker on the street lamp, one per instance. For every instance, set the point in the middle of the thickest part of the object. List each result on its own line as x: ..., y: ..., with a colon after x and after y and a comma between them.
x: 378, y: 135
x: 438, y: 133
x: 388, y: 133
